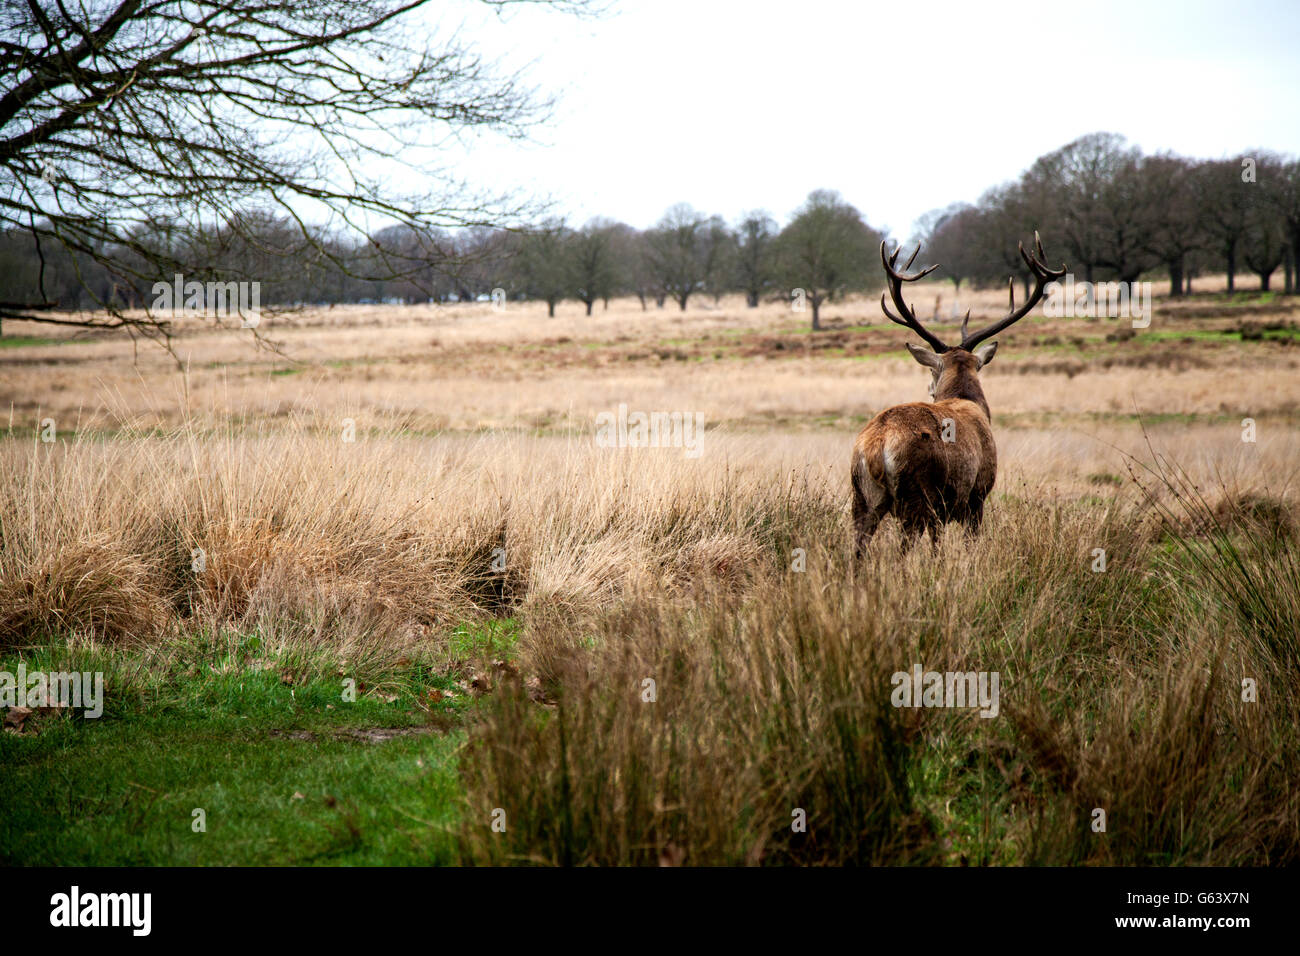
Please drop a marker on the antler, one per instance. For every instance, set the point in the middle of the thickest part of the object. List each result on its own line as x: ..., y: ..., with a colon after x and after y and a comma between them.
x: 896, y: 280
x: 1042, y: 276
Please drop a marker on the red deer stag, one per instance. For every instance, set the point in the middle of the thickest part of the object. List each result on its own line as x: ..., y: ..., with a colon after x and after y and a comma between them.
x: 927, y: 463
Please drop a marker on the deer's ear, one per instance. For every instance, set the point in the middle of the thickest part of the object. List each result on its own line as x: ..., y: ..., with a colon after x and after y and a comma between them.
x: 925, y: 356
x: 985, y: 353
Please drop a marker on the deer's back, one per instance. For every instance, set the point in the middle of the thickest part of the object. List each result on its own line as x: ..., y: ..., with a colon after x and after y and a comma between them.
x: 902, y: 450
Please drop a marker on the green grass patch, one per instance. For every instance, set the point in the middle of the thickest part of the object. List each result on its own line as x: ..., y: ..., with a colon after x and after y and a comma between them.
x: 1243, y: 298
x: 490, y: 638
x: 25, y: 341
x: 125, y: 792
x: 293, y: 757
x: 1220, y: 335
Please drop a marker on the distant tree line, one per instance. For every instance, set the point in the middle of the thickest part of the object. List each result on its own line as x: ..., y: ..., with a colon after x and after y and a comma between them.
x: 1108, y: 210
x: 1114, y: 213
x: 826, y: 250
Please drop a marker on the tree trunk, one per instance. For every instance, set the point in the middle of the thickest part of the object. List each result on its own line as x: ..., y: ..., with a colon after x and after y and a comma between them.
x: 589, y: 305
x: 751, y: 299
x: 1263, y: 280
x: 1175, y: 277
x: 1288, y: 263
x: 659, y: 301
x: 817, y: 313
x: 1293, y: 263
x: 1230, y: 254
x: 641, y: 296
x: 681, y: 300
x: 550, y: 308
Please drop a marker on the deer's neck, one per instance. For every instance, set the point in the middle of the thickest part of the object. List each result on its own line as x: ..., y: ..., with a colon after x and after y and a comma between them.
x: 956, y: 383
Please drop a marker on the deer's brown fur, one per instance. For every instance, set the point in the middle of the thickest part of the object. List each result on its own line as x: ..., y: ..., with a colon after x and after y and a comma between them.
x: 927, y: 463
x: 902, y: 465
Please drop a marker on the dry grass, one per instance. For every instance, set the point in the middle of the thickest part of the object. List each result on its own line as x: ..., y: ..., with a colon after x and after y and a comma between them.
x: 391, y: 533
x: 1121, y: 691
x: 466, y: 367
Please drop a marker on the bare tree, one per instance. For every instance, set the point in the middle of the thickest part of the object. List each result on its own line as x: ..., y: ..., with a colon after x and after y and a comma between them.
x: 1174, y: 231
x: 122, y: 121
x: 1091, y: 190
x: 719, y: 250
x: 1265, y: 245
x: 592, y: 263
x: 544, y: 263
x: 678, y: 250
x: 951, y: 236
x: 632, y: 262
x: 1224, y: 199
x: 1006, y: 213
x: 827, y: 250
x: 1282, y: 188
x: 755, y: 266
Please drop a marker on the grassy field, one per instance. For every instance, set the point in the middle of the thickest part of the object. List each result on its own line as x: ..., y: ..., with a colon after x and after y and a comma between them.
x: 379, y: 595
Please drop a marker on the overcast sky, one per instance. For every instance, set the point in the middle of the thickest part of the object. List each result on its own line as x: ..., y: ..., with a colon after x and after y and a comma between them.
x: 732, y: 105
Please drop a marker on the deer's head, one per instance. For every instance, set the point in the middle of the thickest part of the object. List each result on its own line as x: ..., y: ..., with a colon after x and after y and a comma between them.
x: 955, y: 368
x: 950, y: 368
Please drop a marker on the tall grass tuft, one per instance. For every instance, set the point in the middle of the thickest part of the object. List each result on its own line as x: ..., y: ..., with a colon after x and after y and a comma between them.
x: 1119, y: 694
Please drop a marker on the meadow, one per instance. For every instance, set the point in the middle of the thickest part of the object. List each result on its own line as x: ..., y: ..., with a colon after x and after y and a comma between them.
x: 369, y: 591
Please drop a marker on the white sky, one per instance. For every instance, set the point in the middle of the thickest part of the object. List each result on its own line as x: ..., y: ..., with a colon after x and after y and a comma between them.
x: 732, y: 105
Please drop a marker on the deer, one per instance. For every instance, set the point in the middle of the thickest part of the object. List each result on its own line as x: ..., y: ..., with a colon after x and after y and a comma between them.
x: 930, y: 463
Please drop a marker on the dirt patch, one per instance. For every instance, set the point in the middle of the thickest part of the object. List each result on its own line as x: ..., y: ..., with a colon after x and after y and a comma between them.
x: 368, y: 735
x: 1226, y: 310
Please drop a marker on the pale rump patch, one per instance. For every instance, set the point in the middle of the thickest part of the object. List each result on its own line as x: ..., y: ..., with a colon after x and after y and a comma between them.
x: 891, y: 462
